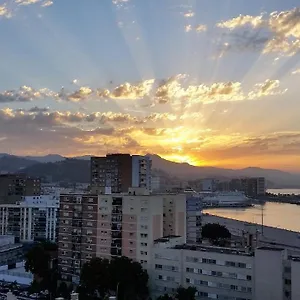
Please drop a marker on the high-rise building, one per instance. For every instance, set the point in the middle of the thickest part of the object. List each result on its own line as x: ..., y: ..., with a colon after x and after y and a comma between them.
x: 116, y: 173
x: 253, y: 186
x: 32, y: 219
x: 110, y: 225
x: 174, y: 214
x: 15, y: 186
x: 193, y: 218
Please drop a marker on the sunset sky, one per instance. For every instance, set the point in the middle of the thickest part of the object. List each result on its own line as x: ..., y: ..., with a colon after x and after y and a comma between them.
x: 207, y: 82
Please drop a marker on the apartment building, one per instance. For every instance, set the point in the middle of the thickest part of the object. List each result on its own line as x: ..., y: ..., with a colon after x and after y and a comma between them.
x: 15, y: 186
x: 110, y: 225
x: 193, y: 218
x: 174, y: 214
x: 34, y: 218
x: 217, y: 273
x: 251, y: 186
x: 116, y: 173
x: 224, y: 273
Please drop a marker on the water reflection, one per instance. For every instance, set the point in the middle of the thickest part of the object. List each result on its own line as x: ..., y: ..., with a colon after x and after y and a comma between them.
x: 280, y: 215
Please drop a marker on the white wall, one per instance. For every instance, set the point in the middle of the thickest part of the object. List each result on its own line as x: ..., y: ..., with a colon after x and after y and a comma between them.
x: 268, y: 274
x: 295, y: 275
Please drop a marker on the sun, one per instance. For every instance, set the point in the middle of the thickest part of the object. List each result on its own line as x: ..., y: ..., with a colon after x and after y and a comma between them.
x: 184, y: 159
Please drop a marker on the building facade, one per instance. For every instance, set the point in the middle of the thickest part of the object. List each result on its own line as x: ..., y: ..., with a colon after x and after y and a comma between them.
x: 34, y: 218
x: 15, y: 186
x: 116, y: 173
x: 193, y: 218
x: 224, y: 273
x: 111, y: 225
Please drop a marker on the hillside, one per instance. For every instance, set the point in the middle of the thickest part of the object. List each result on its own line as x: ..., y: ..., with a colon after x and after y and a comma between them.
x: 77, y: 169
x: 12, y: 164
x: 183, y: 170
x: 69, y: 170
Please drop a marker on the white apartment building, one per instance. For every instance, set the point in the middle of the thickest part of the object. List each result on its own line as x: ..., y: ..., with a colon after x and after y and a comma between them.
x: 32, y: 219
x: 224, y: 273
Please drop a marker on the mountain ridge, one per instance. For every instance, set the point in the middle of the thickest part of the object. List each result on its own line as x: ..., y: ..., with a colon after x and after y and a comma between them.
x: 61, y: 168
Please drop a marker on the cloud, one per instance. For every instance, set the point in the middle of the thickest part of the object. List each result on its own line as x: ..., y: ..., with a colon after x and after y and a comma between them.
x: 201, y: 28
x: 82, y: 94
x: 283, y: 30
x: 25, y: 94
x: 188, y: 28
x: 47, y: 3
x: 198, y: 28
x: 189, y: 14
x: 175, y: 90
x: 4, y: 12
x: 254, y: 21
x: 26, y: 2
x: 295, y: 72
x: 128, y: 91
x: 9, y: 8
x: 267, y: 88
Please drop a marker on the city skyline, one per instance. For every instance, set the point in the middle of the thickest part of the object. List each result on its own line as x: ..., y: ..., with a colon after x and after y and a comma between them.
x: 206, y: 83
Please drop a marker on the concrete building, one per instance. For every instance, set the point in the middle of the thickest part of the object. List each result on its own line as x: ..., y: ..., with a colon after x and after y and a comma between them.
x: 15, y: 186
x: 193, y: 218
x: 114, y: 225
x: 116, y: 173
x: 251, y: 186
x: 224, y: 273
x: 209, y: 185
x: 217, y: 273
x: 254, y: 186
x: 34, y: 218
x: 155, y: 183
x: 141, y: 172
x: 174, y: 214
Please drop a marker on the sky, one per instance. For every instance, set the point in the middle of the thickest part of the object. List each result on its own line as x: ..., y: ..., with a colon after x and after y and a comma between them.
x: 207, y: 82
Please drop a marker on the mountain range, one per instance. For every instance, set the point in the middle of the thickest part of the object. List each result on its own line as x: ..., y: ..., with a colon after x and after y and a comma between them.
x: 77, y: 169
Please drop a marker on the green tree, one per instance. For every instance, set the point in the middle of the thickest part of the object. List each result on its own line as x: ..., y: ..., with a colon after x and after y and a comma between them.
x: 186, y: 293
x: 121, y: 275
x: 213, y: 232
x: 130, y: 278
x: 95, y: 278
x: 165, y: 297
x: 41, y: 261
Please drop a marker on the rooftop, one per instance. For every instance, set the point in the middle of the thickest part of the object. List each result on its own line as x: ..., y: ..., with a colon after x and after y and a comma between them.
x: 270, y: 248
x: 215, y: 249
x: 166, y: 238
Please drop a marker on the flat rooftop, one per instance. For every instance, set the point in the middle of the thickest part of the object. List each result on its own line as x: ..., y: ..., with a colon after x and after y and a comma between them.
x: 166, y: 238
x: 215, y: 249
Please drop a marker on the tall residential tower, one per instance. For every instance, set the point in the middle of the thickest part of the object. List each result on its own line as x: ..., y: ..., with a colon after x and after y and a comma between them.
x: 116, y: 173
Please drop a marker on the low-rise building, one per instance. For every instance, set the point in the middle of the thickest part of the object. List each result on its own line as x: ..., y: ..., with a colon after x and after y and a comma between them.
x: 266, y: 273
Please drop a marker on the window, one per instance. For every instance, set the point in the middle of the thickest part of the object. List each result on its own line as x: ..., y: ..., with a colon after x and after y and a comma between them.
x: 144, y: 209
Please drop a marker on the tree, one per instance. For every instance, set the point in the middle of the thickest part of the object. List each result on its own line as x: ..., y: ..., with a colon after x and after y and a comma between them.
x: 186, y: 293
x: 40, y: 260
x: 165, y: 297
x: 130, y: 277
x: 95, y: 277
x: 37, y: 262
x: 121, y: 275
x: 213, y: 232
